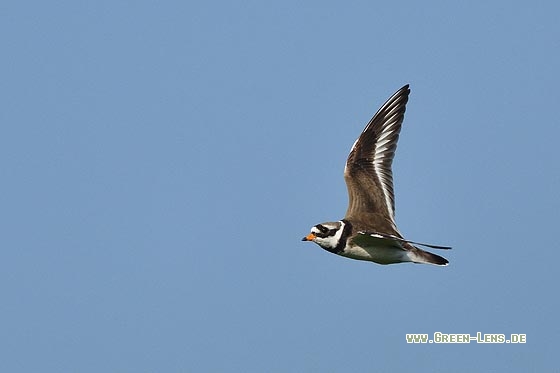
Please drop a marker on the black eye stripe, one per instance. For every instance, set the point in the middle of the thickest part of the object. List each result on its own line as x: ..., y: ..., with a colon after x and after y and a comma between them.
x: 325, y: 232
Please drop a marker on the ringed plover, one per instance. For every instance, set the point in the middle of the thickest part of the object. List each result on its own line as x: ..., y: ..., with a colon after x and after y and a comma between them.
x: 368, y: 231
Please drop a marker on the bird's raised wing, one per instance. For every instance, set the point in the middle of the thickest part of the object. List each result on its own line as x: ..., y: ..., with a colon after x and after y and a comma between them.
x: 368, y: 173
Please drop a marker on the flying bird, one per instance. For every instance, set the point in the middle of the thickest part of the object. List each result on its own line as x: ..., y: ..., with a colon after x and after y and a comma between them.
x: 368, y: 231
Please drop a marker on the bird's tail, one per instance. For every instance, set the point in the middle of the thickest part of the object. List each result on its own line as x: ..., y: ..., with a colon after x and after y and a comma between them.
x: 420, y: 256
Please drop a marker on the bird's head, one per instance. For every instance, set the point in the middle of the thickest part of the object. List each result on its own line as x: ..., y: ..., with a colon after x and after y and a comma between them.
x: 326, y: 235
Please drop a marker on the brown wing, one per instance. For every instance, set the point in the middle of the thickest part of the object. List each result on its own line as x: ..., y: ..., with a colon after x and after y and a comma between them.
x: 368, y: 173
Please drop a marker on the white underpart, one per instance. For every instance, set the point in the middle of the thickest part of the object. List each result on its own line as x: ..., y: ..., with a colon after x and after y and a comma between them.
x: 378, y: 249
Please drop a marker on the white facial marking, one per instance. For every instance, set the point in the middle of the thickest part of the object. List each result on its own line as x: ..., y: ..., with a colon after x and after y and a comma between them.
x: 339, y: 232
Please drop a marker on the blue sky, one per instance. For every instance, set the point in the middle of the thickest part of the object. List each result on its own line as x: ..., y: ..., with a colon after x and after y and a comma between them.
x: 162, y: 160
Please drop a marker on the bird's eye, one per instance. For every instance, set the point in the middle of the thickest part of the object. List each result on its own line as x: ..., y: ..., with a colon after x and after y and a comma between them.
x: 323, y: 229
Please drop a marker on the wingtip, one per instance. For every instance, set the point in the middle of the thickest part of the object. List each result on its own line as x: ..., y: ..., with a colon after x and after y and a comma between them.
x: 440, y: 247
x: 405, y: 88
